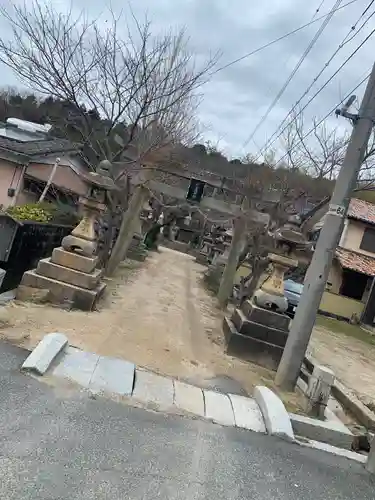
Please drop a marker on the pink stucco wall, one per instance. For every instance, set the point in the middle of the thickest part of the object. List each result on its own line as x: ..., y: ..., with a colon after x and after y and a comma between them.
x: 10, y: 174
x: 64, y: 177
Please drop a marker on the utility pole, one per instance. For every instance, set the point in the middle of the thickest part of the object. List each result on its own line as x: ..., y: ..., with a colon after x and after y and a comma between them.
x: 317, y: 274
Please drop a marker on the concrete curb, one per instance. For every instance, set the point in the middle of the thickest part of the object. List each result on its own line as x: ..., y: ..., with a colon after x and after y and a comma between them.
x: 263, y: 413
x: 332, y: 433
x: 45, y: 352
x: 350, y: 401
x: 274, y: 413
x: 317, y: 445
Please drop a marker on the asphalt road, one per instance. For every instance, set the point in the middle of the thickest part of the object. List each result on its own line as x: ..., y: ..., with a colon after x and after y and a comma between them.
x: 57, y: 444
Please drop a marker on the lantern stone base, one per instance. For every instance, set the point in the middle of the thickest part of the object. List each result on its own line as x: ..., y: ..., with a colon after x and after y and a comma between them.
x: 257, y: 335
x: 137, y: 249
x: 71, y: 279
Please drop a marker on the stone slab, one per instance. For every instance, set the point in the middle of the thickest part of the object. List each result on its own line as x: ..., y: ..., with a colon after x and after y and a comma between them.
x: 61, y: 293
x: 218, y: 408
x: 74, y: 261
x: 249, y: 349
x: 77, y: 366
x: 257, y: 331
x: 45, y: 352
x: 265, y: 317
x: 189, y: 398
x: 247, y: 413
x: 276, y: 418
x: 70, y: 276
x: 152, y: 388
x: 113, y: 375
x: 328, y: 432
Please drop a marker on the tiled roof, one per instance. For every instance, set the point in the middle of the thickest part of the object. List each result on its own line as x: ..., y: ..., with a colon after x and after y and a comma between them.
x: 362, y: 210
x: 356, y: 262
x: 31, y: 148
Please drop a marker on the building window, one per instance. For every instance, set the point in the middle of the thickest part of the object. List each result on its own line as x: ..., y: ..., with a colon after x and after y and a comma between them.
x: 368, y: 240
x: 353, y: 284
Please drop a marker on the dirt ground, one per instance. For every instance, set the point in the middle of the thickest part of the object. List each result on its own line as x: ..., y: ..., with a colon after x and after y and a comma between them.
x: 156, y: 314
x: 352, y: 360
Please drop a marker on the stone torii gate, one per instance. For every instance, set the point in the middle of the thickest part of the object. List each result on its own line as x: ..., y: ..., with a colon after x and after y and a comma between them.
x: 242, y: 214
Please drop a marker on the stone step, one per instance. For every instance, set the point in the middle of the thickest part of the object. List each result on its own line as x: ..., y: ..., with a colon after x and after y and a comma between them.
x: 74, y: 261
x: 63, y: 293
x: 265, y: 317
x: 258, y: 331
x: 251, y: 349
x: 67, y: 275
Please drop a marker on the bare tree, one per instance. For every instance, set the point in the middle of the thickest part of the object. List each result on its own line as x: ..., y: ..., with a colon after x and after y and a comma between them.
x: 320, y: 153
x: 144, y: 88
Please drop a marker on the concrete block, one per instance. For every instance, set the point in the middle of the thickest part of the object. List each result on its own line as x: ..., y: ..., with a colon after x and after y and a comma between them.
x: 265, y: 317
x: 189, y: 398
x: 70, y: 276
x: 154, y: 389
x: 113, y: 375
x: 319, y: 390
x: 350, y: 401
x: 247, y: 413
x: 333, y: 433
x: 258, y: 331
x: 218, y: 408
x: 74, y: 261
x: 275, y: 416
x: 45, y: 352
x: 249, y: 349
x: 77, y: 365
x: 60, y: 293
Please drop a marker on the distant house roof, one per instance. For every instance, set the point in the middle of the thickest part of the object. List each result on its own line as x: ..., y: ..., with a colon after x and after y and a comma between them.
x: 355, y: 261
x: 361, y: 210
x: 33, y: 148
x: 22, y: 140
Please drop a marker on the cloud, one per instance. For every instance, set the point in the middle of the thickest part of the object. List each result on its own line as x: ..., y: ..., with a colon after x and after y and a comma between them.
x: 236, y: 97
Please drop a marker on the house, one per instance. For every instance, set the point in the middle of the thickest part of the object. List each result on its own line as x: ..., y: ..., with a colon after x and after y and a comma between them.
x: 353, y: 268
x: 27, y: 158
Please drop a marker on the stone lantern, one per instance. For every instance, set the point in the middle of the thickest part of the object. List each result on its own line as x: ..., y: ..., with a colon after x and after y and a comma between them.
x: 70, y: 276
x: 290, y: 243
x: 258, y: 331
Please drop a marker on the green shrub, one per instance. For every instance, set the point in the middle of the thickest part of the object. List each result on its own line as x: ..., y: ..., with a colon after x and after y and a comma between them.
x: 38, y: 212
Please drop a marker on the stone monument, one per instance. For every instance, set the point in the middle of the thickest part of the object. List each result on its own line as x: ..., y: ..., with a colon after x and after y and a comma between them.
x: 258, y: 331
x: 70, y: 276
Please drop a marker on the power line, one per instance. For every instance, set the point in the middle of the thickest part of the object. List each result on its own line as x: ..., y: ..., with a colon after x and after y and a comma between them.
x: 325, y: 66
x: 316, y: 125
x: 326, y: 83
x: 294, y: 71
x: 290, y: 33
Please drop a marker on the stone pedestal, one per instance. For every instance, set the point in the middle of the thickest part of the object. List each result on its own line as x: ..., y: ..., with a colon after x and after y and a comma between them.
x: 256, y: 334
x: 70, y: 279
x: 137, y: 249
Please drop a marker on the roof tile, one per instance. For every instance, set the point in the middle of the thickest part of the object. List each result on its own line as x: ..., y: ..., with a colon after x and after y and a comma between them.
x: 356, y: 262
x: 362, y: 210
